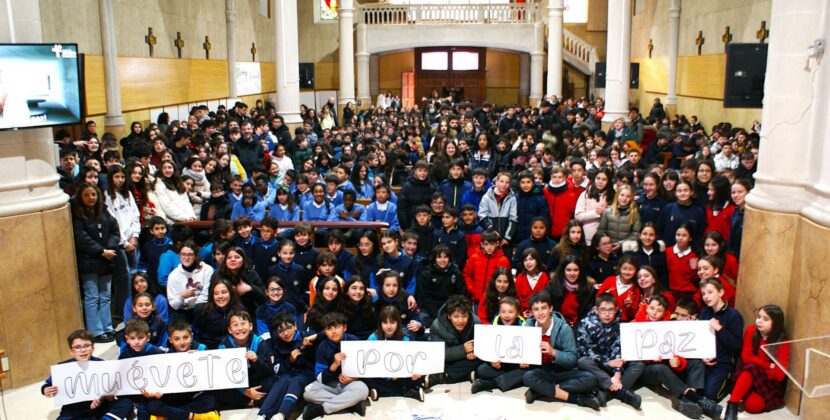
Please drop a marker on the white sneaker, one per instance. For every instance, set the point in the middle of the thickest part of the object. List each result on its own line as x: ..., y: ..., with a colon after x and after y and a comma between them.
x: 278, y: 416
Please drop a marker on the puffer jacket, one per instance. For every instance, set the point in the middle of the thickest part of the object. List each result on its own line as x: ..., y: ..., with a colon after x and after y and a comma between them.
x: 443, y: 330
x: 586, y: 212
x: 617, y: 226
x: 479, y: 269
x: 529, y: 205
x: 436, y: 284
x: 414, y: 193
x: 91, y: 239
x: 502, y: 218
x: 598, y: 341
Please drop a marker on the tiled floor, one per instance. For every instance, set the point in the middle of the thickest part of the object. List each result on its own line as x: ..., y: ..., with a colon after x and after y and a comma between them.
x: 446, y: 402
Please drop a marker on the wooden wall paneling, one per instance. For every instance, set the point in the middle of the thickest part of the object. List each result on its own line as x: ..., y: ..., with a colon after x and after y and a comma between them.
x: 326, y: 75
x: 149, y: 82
x: 701, y: 76
x: 268, y: 72
x: 94, y: 89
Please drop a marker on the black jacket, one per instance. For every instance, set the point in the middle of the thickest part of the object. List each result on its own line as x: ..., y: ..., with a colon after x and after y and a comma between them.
x: 91, y: 239
x: 414, y: 193
x: 250, y: 153
x: 435, y: 285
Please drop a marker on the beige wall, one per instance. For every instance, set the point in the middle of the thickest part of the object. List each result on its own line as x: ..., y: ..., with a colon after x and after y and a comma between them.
x: 391, y: 67
x: 700, y: 78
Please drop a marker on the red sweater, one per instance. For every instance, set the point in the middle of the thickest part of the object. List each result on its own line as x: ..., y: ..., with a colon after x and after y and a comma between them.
x: 633, y: 294
x: 721, y: 223
x: 682, y: 277
x: 524, y: 291
x: 730, y: 267
x: 570, y: 308
x: 641, y: 311
x: 761, y: 359
x: 641, y: 317
x: 479, y: 269
x: 561, y: 207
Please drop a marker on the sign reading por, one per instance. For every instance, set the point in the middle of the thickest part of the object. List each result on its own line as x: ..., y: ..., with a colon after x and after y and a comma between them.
x: 647, y: 340
x: 391, y: 359
x: 168, y: 373
x: 511, y: 344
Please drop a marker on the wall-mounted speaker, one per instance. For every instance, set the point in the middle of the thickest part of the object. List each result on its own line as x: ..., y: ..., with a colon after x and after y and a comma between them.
x: 746, y: 66
x: 600, y: 72
x: 307, y: 75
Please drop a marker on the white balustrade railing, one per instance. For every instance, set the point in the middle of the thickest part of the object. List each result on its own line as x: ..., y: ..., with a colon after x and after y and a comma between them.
x: 431, y: 14
x: 581, y: 50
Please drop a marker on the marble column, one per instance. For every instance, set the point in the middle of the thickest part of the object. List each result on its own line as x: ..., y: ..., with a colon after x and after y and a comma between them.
x: 618, y: 60
x: 287, y: 61
x: 555, y: 28
x: 347, y: 56
x: 39, y: 282
x: 364, y: 68
x: 230, y: 19
x: 537, y: 65
x: 524, y: 77
x: 114, y: 120
x: 674, y: 37
x: 374, y: 76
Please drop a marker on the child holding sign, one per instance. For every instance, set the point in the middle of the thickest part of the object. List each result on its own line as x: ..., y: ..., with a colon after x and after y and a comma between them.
x: 333, y: 391
x: 137, y: 344
x: 260, y: 378
x: 454, y: 326
x: 504, y: 376
x: 728, y: 325
x: 557, y: 377
x: 81, y: 346
x: 390, y: 328
x: 598, y: 341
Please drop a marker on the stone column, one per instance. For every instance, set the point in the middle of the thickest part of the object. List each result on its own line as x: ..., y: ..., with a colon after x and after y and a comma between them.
x: 346, y: 11
x: 524, y: 77
x: 555, y: 28
x: 618, y: 60
x: 287, y: 61
x: 674, y: 36
x: 374, y: 76
x: 230, y: 19
x: 364, y: 68
x: 537, y: 65
x: 40, y: 279
x: 114, y: 121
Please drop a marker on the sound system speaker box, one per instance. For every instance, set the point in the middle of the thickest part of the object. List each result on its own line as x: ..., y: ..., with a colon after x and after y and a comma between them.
x: 746, y: 66
x: 635, y: 75
x: 307, y: 75
x: 599, y: 74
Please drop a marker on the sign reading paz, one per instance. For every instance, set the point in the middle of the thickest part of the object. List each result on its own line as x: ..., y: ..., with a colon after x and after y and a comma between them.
x: 511, y: 344
x: 391, y: 359
x: 167, y: 373
x: 647, y: 340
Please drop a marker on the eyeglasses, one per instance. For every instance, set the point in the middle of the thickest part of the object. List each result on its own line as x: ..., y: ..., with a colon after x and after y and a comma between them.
x: 274, y: 289
x: 281, y: 331
x: 607, y: 310
x: 82, y: 347
x: 187, y: 255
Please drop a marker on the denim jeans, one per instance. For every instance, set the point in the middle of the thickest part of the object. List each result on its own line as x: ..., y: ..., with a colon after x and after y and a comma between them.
x: 97, y: 315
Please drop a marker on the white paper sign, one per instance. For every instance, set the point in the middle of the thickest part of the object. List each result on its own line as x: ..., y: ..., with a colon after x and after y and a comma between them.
x: 506, y: 343
x: 248, y: 78
x: 168, y: 373
x: 392, y: 359
x: 647, y: 340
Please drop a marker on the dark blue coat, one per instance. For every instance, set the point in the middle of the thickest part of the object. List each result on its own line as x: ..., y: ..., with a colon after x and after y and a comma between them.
x: 674, y: 215
x: 529, y: 205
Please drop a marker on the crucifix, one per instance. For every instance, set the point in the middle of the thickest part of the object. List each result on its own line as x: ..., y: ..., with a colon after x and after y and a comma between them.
x: 762, y: 33
x: 726, y: 38
x: 650, y: 47
x: 699, y: 41
x: 179, y: 43
x: 150, y: 39
x: 207, y: 46
x: 253, y: 51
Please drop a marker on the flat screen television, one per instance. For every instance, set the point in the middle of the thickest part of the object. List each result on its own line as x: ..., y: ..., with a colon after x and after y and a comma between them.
x: 40, y: 85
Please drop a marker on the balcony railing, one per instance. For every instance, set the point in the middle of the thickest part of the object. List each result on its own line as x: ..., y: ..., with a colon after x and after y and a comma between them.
x: 435, y: 14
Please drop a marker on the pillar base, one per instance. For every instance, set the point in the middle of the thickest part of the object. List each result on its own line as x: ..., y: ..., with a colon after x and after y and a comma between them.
x: 40, y: 290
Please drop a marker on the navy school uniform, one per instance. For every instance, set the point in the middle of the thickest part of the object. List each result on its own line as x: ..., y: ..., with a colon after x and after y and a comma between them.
x: 158, y: 331
x: 265, y: 314
x: 265, y: 256
x: 324, y: 358
x: 260, y: 373
x: 359, y: 325
x: 386, y: 387
x: 79, y: 410
x: 151, y: 254
x: 729, y: 342
x: 649, y: 209
x: 291, y: 376
x: 657, y: 260
x: 599, y: 269
x: 210, y: 327
x: 425, y: 234
x: 306, y: 257
x: 405, y: 267
x: 178, y: 406
x: 122, y: 407
x: 246, y: 245
x: 407, y: 315
x: 545, y: 247
x: 454, y: 190
x: 345, y: 265
x: 455, y: 240
x: 296, y: 279
x: 366, y: 266
x: 674, y: 215
x: 435, y: 286
x: 528, y: 206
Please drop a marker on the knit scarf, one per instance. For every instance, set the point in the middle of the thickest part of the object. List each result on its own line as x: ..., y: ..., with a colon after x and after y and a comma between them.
x: 571, y: 287
x: 556, y: 189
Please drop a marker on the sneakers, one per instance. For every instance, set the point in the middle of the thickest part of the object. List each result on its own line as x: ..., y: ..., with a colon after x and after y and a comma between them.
x: 710, y: 408
x: 602, y: 396
x: 530, y: 396
x: 587, y: 400
x: 434, y: 379
x: 628, y: 396
x: 373, y: 394
x: 473, y: 376
x: 414, y: 393
x: 107, y: 337
x: 480, y: 385
x: 312, y: 411
x: 278, y: 416
x: 360, y: 408
x: 261, y: 417
x: 687, y: 408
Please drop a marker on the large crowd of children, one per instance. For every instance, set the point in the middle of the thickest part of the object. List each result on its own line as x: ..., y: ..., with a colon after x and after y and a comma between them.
x: 532, y: 217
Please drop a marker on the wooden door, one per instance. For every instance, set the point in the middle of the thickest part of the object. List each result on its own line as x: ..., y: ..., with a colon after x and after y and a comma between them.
x: 408, y: 89
x: 466, y: 76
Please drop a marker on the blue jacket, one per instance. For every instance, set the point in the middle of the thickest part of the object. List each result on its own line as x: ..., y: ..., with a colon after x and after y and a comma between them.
x: 366, y: 191
x: 313, y: 213
x: 210, y: 327
x: 529, y: 205
x: 264, y: 256
x: 281, y: 215
x: 474, y: 197
x: 166, y: 264
x: 404, y: 266
x: 345, y: 266
x: 454, y: 190
x: 649, y: 210
x: 265, y: 314
x: 151, y: 253
x: 255, y: 212
x: 337, y: 199
x: 373, y: 214
x: 296, y: 280
x: 736, y: 232
x: 325, y: 358
x: 729, y: 340
x: 334, y: 216
x: 304, y: 365
x: 127, y: 352
x: 674, y: 215
x: 456, y: 241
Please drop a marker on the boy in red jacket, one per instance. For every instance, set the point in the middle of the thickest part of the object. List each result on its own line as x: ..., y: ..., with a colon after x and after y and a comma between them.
x: 480, y: 266
x: 561, y: 201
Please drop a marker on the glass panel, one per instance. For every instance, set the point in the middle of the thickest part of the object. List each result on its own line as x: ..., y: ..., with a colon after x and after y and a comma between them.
x: 464, y: 60
x: 806, y: 362
x: 434, y: 60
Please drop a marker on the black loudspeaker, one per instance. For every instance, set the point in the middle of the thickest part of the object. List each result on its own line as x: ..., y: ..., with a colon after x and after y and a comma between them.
x: 635, y: 75
x: 599, y: 74
x: 307, y: 75
x: 746, y: 66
